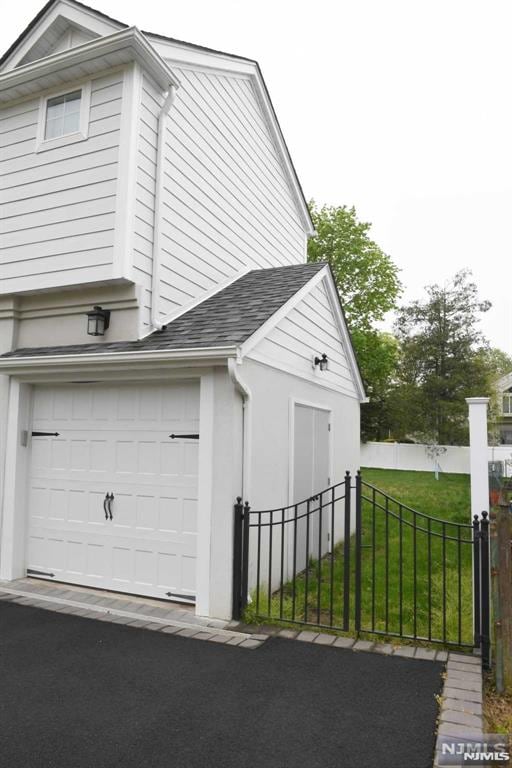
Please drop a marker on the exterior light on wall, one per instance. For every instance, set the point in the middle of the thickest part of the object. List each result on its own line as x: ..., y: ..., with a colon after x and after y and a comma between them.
x: 322, y: 362
x: 98, y: 320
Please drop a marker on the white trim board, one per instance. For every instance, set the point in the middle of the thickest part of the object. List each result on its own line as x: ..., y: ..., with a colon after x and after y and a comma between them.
x: 43, y: 144
x: 77, y: 15
x: 28, y: 76
x: 324, y: 275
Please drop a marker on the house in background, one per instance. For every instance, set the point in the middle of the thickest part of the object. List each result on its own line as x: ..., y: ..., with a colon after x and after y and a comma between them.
x: 162, y: 336
x: 504, y: 421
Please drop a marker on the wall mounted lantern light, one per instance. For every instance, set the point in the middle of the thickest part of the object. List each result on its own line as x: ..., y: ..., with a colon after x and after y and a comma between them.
x: 322, y: 362
x: 98, y: 320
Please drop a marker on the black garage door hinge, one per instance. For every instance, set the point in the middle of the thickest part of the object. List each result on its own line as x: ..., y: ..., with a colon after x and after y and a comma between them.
x: 45, y: 434
x: 192, y: 598
x: 31, y: 572
x: 185, y: 437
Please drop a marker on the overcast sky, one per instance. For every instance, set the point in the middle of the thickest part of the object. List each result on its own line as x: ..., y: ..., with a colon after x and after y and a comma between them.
x: 402, y: 108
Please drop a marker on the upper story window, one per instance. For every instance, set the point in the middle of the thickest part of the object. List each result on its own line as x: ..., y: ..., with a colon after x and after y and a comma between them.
x: 63, y: 117
x: 507, y: 404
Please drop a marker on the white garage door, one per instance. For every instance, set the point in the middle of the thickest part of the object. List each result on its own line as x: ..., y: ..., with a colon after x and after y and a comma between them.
x: 115, y: 439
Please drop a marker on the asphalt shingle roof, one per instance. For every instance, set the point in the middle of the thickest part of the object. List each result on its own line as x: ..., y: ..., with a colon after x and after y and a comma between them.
x: 226, y: 319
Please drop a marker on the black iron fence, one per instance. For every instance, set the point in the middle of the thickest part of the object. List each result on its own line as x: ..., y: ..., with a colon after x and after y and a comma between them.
x: 353, y: 558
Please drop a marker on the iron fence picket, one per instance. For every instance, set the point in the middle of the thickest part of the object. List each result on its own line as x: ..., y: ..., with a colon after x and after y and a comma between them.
x: 394, y: 593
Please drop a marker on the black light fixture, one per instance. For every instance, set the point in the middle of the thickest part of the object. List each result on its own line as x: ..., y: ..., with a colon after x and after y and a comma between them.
x: 98, y: 320
x: 322, y: 362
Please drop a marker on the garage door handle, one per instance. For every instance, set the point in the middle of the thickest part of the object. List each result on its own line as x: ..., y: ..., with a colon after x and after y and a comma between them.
x: 110, y: 499
x: 105, y: 506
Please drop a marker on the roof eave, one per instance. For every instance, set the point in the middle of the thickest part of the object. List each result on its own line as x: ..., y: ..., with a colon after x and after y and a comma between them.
x: 14, y: 365
x: 128, y: 38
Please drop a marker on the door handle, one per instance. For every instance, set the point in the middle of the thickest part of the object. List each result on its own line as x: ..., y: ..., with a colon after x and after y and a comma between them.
x: 110, y: 500
x: 105, y: 500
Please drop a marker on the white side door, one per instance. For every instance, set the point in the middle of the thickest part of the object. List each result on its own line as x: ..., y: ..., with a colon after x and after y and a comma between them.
x: 115, y: 439
x: 311, y: 468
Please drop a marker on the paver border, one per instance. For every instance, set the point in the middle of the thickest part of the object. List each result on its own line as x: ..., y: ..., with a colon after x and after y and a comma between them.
x: 205, y: 630
x: 461, y: 700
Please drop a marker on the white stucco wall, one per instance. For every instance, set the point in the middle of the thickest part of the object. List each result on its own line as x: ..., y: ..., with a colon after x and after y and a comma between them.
x: 270, y: 479
x: 272, y: 392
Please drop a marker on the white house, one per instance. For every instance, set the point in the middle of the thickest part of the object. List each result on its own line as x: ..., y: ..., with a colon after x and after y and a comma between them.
x: 149, y: 177
x: 505, y: 409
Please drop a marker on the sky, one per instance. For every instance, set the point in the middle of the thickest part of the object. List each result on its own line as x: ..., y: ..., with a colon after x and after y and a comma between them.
x: 402, y: 108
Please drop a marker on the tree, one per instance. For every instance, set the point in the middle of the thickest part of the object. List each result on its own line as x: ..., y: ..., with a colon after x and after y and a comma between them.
x: 366, y: 277
x: 377, y: 354
x: 444, y: 358
x: 368, y: 284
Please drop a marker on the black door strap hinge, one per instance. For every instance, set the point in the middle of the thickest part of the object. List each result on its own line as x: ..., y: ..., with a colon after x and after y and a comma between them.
x: 45, y: 434
x: 185, y: 437
x: 31, y: 572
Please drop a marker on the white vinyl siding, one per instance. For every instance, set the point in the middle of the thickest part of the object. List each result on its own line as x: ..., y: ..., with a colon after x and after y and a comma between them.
x: 58, y: 206
x: 309, y: 329
x: 227, y: 203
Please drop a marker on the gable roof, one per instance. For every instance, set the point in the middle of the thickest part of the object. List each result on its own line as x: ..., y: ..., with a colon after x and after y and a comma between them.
x: 266, y: 102
x: 505, y: 382
x: 226, y: 319
x: 37, y: 18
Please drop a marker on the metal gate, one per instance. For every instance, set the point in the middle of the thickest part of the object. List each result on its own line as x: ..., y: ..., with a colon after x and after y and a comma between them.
x: 355, y: 559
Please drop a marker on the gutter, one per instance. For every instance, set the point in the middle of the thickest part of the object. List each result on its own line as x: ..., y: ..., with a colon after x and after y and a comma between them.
x: 169, y: 98
x: 13, y: 364
x: 243, y: 389
x: 129, y: 38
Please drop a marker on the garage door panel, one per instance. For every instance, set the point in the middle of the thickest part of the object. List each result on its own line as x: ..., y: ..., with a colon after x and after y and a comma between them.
x: 188, y: 573
x: 115, y: 439
x: 76, y: 557
x: 189, y: 525
x: 191, y: 460
x: 79, y: 511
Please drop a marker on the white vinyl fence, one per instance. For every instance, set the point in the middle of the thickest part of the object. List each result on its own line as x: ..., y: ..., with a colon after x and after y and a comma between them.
x: 415, y: 457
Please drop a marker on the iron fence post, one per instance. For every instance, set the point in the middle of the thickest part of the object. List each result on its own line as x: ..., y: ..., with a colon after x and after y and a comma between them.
x: 237, y: 559
x: 245, y: 557
x: 358, y: 542
x: 485, y: 617
x: 477, y: 628
x: 346, y: 553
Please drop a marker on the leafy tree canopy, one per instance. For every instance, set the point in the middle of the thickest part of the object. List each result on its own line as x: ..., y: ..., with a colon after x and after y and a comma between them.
x: 366, y: 277
x: 369, y: 285
x: 444, y: 358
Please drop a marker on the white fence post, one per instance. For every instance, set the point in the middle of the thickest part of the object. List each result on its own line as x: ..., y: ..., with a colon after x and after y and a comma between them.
x: 478, y: 454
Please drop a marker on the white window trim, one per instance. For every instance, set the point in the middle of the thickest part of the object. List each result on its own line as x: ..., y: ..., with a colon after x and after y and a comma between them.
x: 43, y: 144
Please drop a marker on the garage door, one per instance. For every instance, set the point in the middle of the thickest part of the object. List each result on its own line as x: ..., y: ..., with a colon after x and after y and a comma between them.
x: 112, y: 499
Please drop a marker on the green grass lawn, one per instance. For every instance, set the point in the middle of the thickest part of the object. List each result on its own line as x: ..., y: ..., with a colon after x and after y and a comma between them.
x: 416, y: 571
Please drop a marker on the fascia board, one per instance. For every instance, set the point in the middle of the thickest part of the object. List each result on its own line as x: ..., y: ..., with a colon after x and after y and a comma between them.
x: 130, y: 38
x: 12, y: 365
x: 324, y: 275
x: 505, y: 382
x: 80, y: 15
x: 186, y: 55
x: 286, y: 308
x: 347, y: 341
x: 277, y: 135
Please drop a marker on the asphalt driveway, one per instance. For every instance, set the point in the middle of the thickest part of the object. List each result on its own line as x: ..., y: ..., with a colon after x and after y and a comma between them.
x: 78, y: 693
